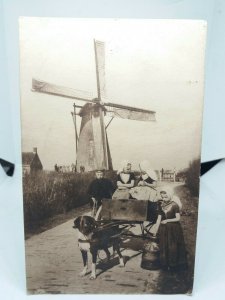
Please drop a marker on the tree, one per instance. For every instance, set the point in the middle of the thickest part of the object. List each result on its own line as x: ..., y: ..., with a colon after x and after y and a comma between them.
x: 193, y: 176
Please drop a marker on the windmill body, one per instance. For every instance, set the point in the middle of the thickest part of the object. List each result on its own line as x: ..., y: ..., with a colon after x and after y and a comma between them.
x: 92, y: 145
x: 90, y: 151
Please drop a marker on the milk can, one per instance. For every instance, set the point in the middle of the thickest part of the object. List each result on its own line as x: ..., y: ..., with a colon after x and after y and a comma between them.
x: 150, y: 256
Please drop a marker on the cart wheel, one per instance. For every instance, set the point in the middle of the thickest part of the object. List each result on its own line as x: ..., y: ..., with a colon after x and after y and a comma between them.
x: 102, y: 255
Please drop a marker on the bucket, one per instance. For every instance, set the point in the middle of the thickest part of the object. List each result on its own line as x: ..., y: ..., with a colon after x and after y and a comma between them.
x: 150, y: 256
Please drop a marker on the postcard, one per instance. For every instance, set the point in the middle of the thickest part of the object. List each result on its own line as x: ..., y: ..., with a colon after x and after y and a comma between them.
x: 111, y: 113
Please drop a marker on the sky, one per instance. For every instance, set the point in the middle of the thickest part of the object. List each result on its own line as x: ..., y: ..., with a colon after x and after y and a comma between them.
x: 152, y: 64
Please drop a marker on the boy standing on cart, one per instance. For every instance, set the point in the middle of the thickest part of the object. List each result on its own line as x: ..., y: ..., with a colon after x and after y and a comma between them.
x: 99, y: 189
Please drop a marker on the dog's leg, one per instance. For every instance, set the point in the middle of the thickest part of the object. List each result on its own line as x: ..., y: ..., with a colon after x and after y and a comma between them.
x: 114, y: 251
x: 98, y: 213
x: 85, y: 262
x: 117, y: 248
x: 107, y: 253
x: 93, y: 265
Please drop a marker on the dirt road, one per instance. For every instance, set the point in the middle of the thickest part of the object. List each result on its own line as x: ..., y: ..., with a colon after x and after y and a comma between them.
x: 53, y: 263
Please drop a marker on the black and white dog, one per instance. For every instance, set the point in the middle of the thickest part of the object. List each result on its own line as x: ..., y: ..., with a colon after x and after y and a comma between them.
x: 91, y: 237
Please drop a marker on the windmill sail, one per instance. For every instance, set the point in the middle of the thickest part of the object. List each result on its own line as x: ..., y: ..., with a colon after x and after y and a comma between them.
x: 100, y: 75
x: 62, y: 91
x: 93, y: 148
x: 100, y: 67
x: 128, y: 112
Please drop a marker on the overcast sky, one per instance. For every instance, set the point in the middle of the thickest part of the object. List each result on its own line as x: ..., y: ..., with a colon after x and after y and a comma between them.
x: 152, y: 64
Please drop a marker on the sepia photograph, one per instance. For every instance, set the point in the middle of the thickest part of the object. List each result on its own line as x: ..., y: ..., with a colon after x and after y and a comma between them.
x: 111, y: 118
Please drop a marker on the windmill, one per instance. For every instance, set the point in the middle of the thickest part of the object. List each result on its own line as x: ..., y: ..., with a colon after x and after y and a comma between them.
x: 92, y: 145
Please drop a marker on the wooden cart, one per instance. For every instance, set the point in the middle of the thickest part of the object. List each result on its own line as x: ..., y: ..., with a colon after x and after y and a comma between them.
x: 126, y: 211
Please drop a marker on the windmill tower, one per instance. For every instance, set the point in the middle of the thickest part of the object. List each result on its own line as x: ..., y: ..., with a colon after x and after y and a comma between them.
x: 92, y: 145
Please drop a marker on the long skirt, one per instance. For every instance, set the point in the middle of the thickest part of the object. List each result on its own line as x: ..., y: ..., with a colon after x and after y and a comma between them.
x: 144, y: 193
x: 121, y: 194
x: 172, y: 247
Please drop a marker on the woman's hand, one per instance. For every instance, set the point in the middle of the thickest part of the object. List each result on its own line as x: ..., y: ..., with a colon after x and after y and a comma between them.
x: 154, y: 230
x: 176, y: 219
x: 164, y: 222
x: 141, y: 183
x: 122, y: 187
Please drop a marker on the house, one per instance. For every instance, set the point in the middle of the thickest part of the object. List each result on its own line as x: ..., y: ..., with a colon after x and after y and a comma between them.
x: 168, y: 175
x: 31, y: 162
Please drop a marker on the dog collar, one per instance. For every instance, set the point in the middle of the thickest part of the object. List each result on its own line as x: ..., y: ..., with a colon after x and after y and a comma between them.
x: 83, y: 241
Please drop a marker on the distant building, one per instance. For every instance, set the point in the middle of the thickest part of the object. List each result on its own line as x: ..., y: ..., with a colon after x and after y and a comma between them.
x: 31, y: 162
x: 168, y: 175
x: 158, y: 174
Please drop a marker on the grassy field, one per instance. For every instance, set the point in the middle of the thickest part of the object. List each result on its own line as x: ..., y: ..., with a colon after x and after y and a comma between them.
x: 47, y: 195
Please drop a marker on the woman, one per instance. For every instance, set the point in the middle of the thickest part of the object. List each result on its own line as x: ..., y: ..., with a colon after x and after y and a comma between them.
x: 146, y: 190
x: 148, y: 175
x: 146, y: 187
x: 125, y: 181
x: 171, y: 240
x: 149, y: 179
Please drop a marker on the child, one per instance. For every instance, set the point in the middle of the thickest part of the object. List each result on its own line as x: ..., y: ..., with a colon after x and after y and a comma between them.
x: 171, y: 240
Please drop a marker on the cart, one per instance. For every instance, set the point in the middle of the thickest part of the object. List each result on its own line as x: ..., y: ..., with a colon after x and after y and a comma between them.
x: 128, y: 212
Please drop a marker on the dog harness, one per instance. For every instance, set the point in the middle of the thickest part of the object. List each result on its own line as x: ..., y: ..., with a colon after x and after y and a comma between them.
x: 84, y: 241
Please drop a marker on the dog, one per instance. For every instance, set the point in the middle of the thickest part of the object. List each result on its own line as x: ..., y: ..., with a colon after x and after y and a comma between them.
x: 91, y: 237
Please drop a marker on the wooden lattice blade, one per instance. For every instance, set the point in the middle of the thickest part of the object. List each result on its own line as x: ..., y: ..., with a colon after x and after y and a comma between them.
x: 129, y: 112
x: 53, y: 89
x: 100, y: 67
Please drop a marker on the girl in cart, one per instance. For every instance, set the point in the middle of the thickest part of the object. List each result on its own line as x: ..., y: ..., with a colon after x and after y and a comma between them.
x: 125, y: 181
